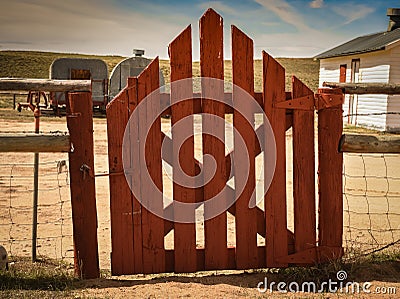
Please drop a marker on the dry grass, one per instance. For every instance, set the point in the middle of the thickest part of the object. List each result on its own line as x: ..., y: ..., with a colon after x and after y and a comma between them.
x: 306, y: 69
x: 43, y: 279
x: 51, y: 279
x: 31, y: 64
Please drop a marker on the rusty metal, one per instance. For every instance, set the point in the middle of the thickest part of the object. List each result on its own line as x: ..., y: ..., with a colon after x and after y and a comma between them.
x: 36, y: 114
x: 33, y: 101
x: 325, y: 98
x: 302, y: 103
x: 328, y: 100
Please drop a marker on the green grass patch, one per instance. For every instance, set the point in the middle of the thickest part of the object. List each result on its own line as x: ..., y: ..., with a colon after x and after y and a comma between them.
x: 44, y: 274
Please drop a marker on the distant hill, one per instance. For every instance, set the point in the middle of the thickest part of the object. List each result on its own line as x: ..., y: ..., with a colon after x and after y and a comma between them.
x: 33, y: 64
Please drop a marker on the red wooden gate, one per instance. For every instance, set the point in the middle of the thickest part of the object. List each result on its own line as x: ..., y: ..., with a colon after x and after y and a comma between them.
x: 138, y: 234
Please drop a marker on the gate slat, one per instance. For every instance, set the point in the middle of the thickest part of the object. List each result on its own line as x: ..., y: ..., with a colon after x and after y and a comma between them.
x: 180, y: 52
x: 132, y: 91
x: 122, y: 261
x: 246, y: 224
x: 212, y: 66
x: 275, y: 198
x: 303, y: 172
x: 330, y: 127
x: 152, y: 225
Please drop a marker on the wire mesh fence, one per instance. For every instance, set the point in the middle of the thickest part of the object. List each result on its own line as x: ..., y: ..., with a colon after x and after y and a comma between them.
x: 371, y: 199
x: 371, y: 194
x: 54, y: 227
x: 371, y: 202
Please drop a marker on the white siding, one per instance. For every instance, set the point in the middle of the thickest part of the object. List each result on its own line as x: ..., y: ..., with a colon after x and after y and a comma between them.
x: 395, y: 64
x: 329, y: 69
x: 374, y: 67
x: 393, y: 120
x: 393, y: 106
x: 368, y: 105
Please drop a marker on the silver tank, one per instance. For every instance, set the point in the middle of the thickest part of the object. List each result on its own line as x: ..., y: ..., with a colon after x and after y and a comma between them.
x: 130, y: 67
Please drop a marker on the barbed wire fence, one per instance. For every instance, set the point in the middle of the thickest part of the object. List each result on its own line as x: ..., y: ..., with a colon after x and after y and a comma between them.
x: 371, y: 199
x: 54, y: 225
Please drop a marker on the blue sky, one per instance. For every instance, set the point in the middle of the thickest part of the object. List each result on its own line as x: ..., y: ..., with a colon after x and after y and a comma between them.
x: 283, y: 28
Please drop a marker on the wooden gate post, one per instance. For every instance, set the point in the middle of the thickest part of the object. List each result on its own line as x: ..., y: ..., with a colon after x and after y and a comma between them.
x: 83, y: 196
x: 330, y: 127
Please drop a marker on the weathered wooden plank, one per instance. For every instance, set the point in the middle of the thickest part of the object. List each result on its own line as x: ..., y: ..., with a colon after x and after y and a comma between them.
x: 275, y: 198
x: 243, y: 77
x: 35, y: 143
x: 165, y: 101
x: 330, y: 126
x: 11, y: 84
x: 369, y: 144
x: 83, y: 191
x: 134, y: 124
x: 122, y: 261
x: 152, y: 225
x: 365, y: 88
x: 180, y: 52
x: 212, y: 66
x: 200, y: 252
x: 303, y: 172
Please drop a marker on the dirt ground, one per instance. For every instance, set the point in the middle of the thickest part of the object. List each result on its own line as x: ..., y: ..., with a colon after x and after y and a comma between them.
x: 371, y: 218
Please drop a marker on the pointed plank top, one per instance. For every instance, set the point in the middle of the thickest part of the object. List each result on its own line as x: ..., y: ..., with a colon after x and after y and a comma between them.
x: 267, y: 58
x: 154, y: 63
x: 236, y: 31
x: 298, y: 83
x: 186, y: 33
x: 211, y: 14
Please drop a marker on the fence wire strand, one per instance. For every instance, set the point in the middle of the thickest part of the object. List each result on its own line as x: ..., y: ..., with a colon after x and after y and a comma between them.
x: 54, y: 209
x: 371, y: 203
x: 371, y: 197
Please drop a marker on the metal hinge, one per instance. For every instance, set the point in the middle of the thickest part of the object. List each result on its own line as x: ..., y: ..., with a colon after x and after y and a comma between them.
x: 318, y: 101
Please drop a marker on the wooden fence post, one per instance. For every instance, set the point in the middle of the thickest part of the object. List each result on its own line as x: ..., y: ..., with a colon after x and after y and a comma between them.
x: 83, y: 195
x: 330, y: 126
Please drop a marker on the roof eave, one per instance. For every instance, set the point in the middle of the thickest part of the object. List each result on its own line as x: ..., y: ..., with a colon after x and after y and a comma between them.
x: 318, y: 57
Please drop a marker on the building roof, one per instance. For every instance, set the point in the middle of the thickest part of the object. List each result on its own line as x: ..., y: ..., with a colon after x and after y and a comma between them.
x: 363, y: 44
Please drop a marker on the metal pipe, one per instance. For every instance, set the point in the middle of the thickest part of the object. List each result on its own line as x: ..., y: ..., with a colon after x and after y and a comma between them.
x: 35, y: 187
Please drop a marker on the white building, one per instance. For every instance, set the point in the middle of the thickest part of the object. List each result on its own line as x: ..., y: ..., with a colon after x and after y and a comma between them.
x: 370, y: 58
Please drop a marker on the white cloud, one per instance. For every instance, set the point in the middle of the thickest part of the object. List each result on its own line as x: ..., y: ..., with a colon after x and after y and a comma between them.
x: 285, y: 12
x: 294, y: 44
x: 271, y: 23
x: 352, y: 12
x: 317, y: 3
x: 103, y: 27
x: 90, y: 26
x: 218, y: 6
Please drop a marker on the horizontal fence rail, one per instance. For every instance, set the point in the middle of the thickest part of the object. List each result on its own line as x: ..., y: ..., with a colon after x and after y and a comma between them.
x: 369, y: 144
x: 365, y: 88
x: 14, y: 84
x: 34, y: 143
